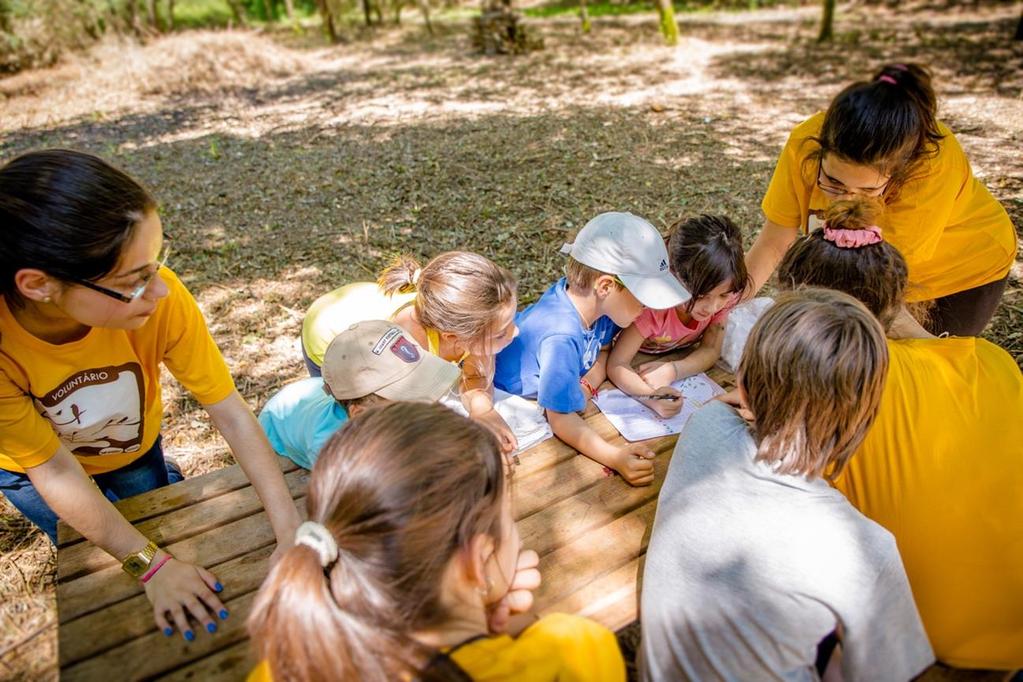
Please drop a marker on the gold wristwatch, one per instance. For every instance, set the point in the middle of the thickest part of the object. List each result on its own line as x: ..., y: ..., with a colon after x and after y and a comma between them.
x: 137, y: 563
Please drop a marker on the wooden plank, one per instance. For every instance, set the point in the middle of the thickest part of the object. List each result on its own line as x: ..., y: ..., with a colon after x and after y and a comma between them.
x: 187, y: 492
x: 93, y: 633
x: 175, y: 526
x: 110, y: 585
x: 612, y: 600
x: 154, y: 654
x: 233, y: 663
x: 559, y: 523
x: 571, y: 567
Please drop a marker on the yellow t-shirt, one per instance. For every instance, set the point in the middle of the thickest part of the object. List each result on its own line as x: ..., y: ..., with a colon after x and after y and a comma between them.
x: 942, y: 469
x: 100, y: 395
x: 336, y: 311
x: 556, y: 648
x: 953, y: 234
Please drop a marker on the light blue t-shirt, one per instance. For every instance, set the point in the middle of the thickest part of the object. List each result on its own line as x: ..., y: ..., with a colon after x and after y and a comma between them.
x: 300, y: 418
x: 552, y: 352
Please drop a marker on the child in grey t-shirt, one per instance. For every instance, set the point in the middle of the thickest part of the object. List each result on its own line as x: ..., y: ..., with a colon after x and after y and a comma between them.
x: 754, y: 558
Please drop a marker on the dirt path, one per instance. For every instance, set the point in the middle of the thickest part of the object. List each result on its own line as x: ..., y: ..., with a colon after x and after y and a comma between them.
x: 285, y: 167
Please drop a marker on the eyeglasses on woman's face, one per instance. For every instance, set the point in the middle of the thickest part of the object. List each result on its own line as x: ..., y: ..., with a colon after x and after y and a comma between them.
x: 834, y: 187
x: 132, y: 294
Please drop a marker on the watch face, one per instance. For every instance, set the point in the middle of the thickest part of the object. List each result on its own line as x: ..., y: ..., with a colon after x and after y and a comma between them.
x: 135, y: 565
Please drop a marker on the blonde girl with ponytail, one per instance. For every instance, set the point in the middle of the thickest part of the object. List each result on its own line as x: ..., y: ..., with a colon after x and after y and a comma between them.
x: 460, y: 306
x: 410, y: 566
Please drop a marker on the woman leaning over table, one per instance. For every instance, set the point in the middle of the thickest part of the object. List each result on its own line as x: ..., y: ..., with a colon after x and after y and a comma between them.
x: 881, y: 139
x: 88, y: 312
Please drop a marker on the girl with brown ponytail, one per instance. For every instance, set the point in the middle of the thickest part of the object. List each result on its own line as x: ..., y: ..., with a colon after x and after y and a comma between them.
x: 410, y: 565
x: 940, y: 467
x: 881, y: 139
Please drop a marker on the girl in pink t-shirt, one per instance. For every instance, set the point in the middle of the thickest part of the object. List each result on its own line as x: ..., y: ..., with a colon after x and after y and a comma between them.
x: 706, y: 255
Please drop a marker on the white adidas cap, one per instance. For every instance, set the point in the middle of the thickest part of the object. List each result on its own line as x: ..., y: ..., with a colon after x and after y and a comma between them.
x: 625, y: 245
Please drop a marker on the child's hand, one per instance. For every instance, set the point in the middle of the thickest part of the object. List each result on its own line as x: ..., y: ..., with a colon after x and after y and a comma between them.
x: 183, y: 589
x: 634, y: 461
x: 734, y: 398
x: 493, y: 420
x: 664, y: 407
x: 658, y: 373
x: 519, y: 597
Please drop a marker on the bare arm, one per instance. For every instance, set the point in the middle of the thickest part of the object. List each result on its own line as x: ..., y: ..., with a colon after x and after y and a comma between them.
x: 478, y: 400
x: 619, y: 364
x: 632, y: 460
x: 176, y: 587
x: 767, y: 251
x: 700, y: 360
x: 236, y: 423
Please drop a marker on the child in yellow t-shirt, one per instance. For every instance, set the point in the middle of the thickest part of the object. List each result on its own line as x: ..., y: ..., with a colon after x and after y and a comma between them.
x: 88, y: 314
x: 411, y: 562
x: 460, y: 306
x: 941, y: 466
x: 881, y: 139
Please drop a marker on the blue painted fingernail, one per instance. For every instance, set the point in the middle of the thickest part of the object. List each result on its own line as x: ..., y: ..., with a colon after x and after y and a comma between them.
x: 217, y: 587
x: 168, y: 631
x: 223, y: 614
x: 189, y: 635
x: 211, y: 627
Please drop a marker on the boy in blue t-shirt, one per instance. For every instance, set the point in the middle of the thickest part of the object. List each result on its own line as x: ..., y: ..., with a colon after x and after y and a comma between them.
x: 617, y: 266
x: 369, y: 363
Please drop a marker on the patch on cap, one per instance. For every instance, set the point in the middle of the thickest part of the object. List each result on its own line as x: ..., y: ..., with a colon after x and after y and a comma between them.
x: 385, y: 340
x: 405, y: 350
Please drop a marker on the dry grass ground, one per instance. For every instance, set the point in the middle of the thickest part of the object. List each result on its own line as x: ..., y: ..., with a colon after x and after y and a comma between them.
x: 285, y: 167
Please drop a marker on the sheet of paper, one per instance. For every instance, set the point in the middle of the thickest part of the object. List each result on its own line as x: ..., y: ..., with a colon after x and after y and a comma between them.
x: 635, y: 421
x: 525, y: 418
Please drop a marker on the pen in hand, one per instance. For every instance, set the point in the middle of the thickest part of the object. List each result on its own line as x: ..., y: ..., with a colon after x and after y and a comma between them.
x: 663, y: 396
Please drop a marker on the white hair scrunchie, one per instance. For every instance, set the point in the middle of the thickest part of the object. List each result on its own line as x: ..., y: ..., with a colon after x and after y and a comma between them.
x: 315, y: 535
x: 416, y: 275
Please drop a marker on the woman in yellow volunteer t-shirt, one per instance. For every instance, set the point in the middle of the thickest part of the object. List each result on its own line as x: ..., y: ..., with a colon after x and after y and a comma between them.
x: 881, y: 139
x: 88, y: 314
x: 410, y: 567
x: 940, y: 466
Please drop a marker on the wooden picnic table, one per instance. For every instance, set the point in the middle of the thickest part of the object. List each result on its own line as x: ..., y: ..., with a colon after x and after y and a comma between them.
x: 590, y: 529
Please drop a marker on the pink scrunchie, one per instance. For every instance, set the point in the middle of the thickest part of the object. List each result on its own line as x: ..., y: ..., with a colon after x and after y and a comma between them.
x: 853, y: 239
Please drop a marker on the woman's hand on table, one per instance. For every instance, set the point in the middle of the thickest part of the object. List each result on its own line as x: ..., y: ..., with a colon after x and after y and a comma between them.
x: 179, y: 590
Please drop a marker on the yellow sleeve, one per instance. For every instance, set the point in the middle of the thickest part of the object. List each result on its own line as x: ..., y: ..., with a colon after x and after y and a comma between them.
x: 787, y: 200
x: 189, y: 351
x: 261, y: 673
x: 588, y: 651
x: 26, y: 438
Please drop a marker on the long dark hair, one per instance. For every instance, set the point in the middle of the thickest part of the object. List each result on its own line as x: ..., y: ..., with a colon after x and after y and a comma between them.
x: 705, y: 251
x: 888, y: 123
x: 402, y: 488
x: 876, y: 274
x: 66, y: 213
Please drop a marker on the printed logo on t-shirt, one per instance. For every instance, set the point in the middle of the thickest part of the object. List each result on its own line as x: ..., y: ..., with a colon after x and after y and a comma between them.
x: 405, y: 350
x: 663, y: 266
x: 98, y: 411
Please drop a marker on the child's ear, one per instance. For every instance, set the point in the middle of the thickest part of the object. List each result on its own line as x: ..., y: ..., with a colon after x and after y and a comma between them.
x: 604, y: 285
x: 35, y: 285
x: 479, y: 551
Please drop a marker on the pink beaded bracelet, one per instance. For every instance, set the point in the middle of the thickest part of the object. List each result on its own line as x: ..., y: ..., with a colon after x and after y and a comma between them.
x: 152, y: 571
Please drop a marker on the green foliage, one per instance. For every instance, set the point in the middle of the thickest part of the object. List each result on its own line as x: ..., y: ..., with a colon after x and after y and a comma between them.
x: 669, y: 27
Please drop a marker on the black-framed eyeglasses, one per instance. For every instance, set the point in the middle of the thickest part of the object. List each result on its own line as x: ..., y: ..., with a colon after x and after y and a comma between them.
x: 140, y: 288
x: 835, y: 190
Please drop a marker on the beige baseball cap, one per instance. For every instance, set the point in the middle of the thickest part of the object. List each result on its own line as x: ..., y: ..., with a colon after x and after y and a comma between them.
x: 380, y: 357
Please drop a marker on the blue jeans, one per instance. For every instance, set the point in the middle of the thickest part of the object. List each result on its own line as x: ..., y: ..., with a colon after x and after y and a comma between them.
x: 148, y: 472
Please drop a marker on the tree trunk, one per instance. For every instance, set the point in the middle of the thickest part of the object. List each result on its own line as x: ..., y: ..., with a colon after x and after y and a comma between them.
x: 584, y: 16
x: 238, y: 12
x: 170, y: 15
x: 1019, y: 27
x: 328, y: 19
x: 289, y: 9
x: 827, y: 22
x: 365, y: 12
x: 151, y: 15
x: 268, y: 11
x: 424, y: 7
x: 669, y: 27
